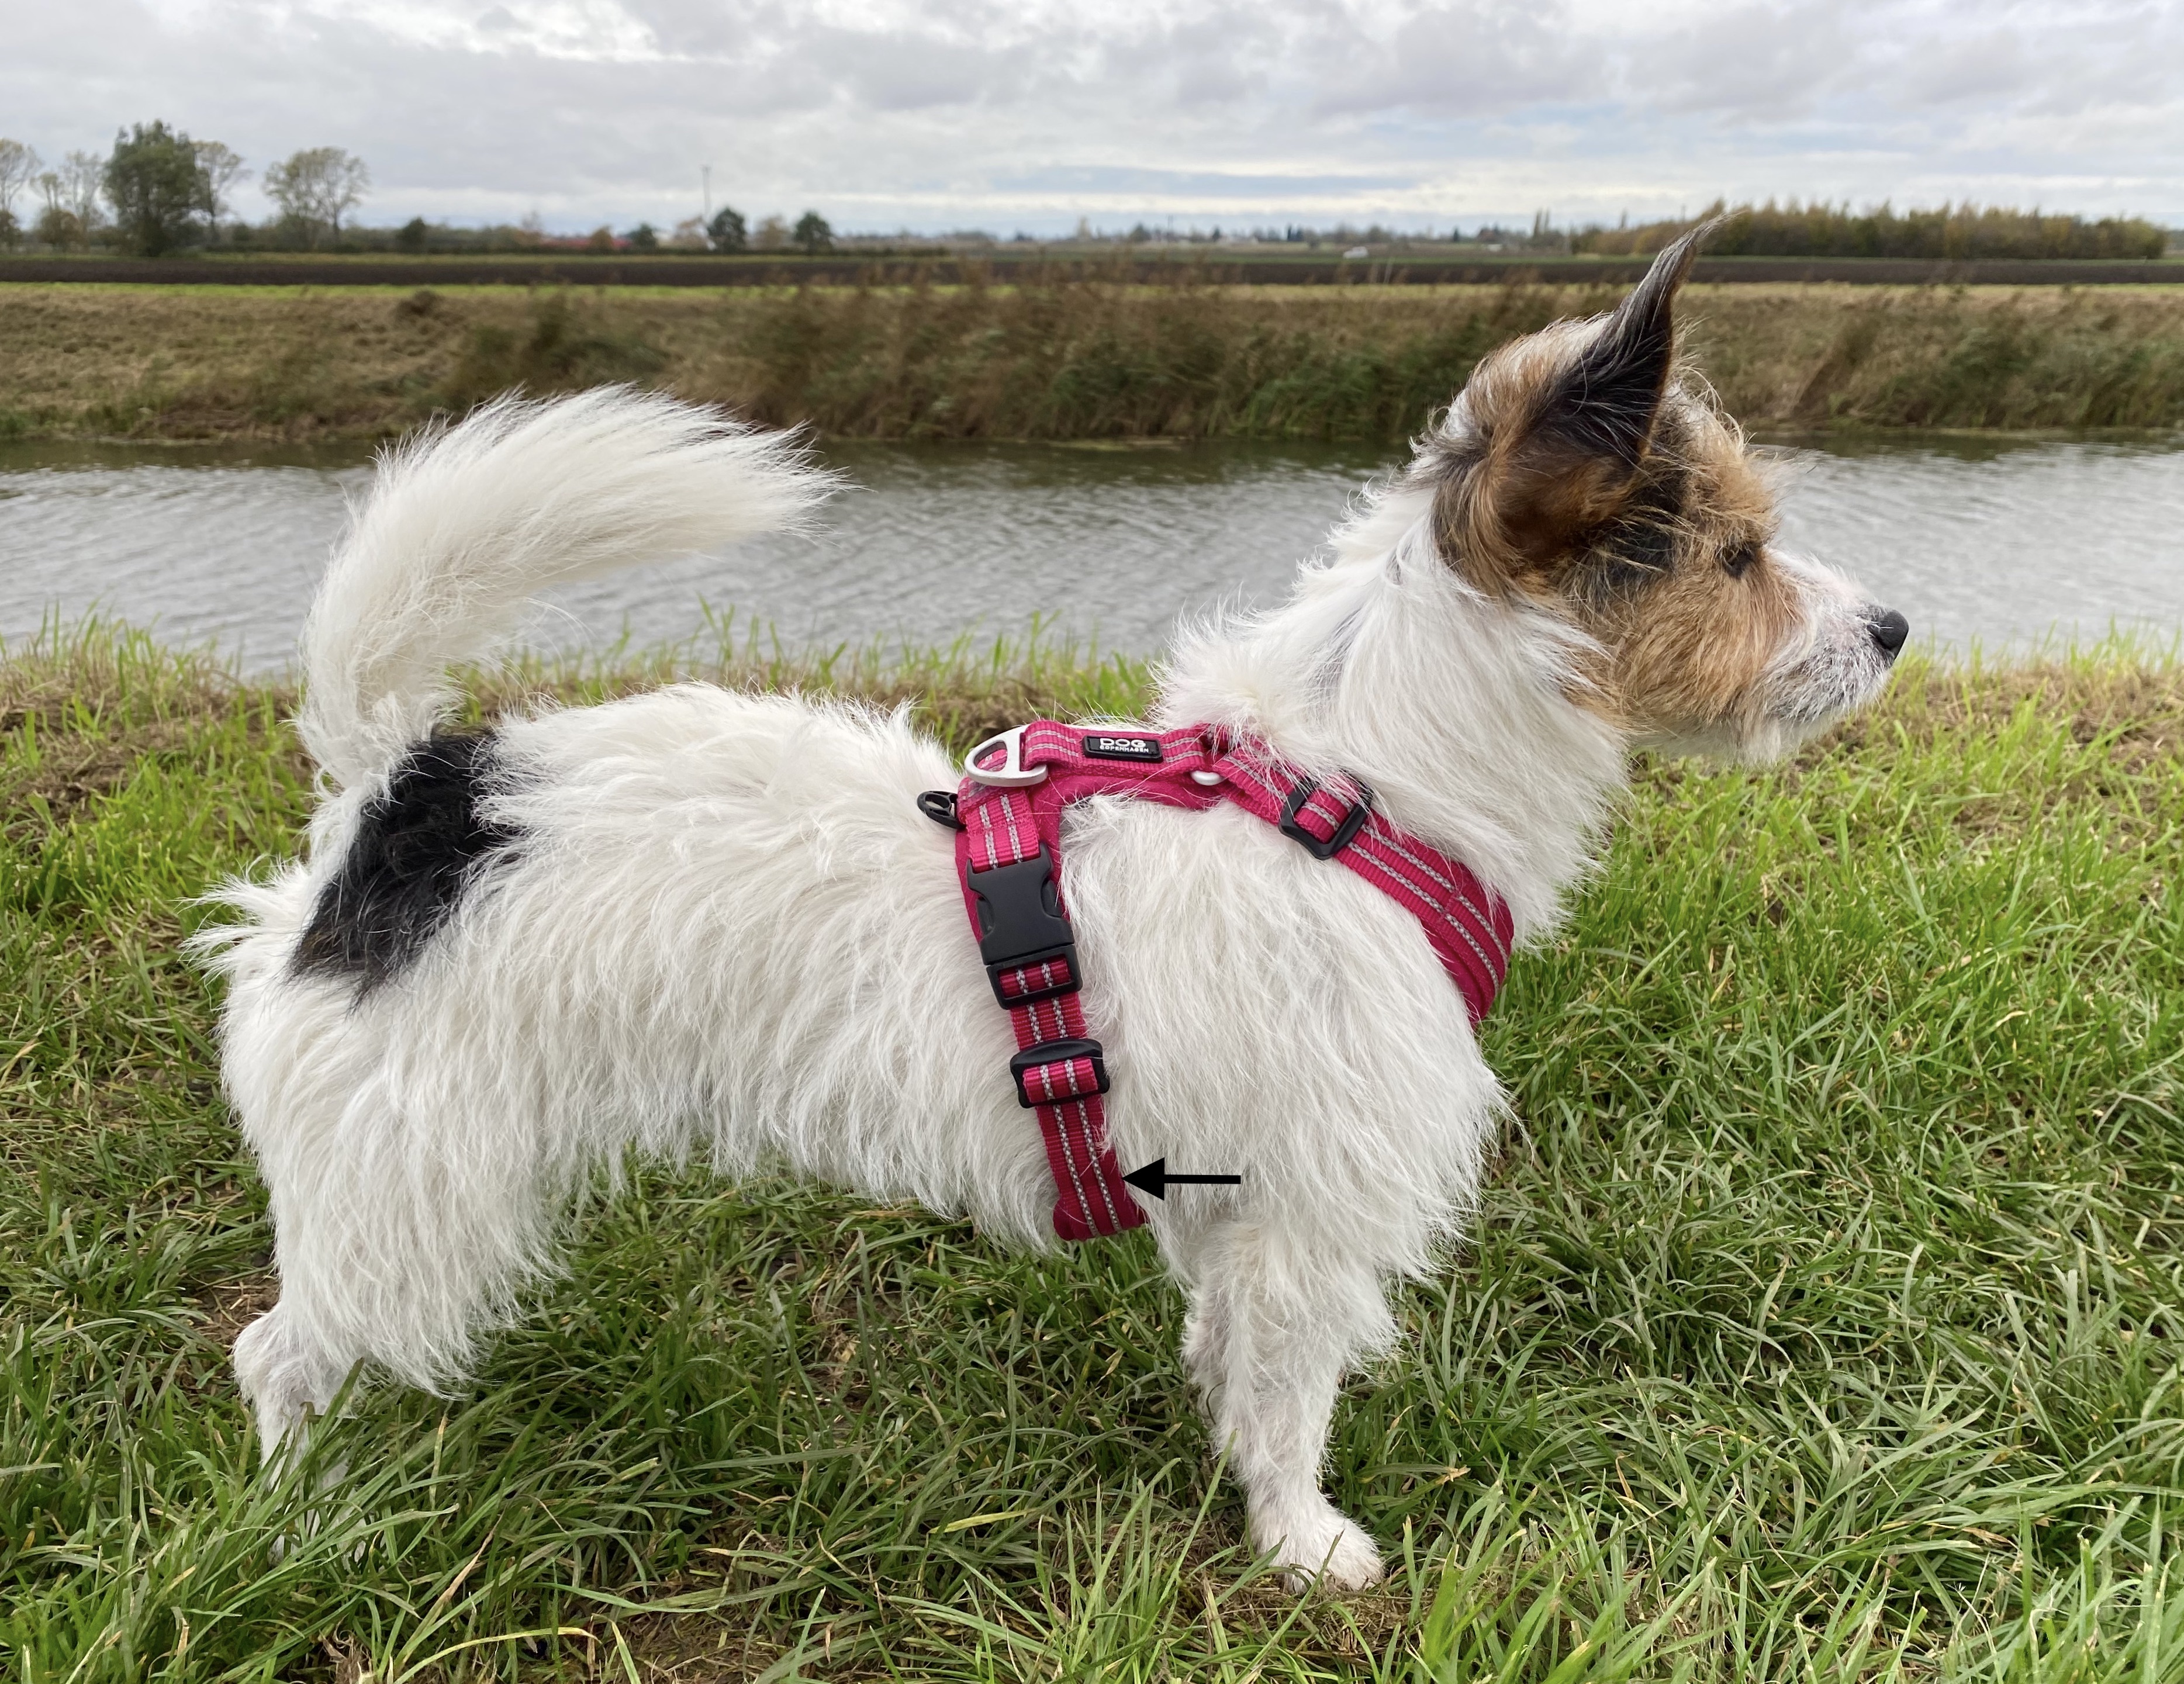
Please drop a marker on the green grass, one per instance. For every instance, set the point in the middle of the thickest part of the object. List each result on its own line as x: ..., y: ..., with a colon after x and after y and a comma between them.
x: 1821, y: 1321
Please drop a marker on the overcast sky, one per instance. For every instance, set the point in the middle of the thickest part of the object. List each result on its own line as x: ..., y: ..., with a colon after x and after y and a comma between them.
x: 1011, y: 114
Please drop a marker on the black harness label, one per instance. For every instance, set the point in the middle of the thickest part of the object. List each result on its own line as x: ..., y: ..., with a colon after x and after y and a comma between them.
x: 1121, y: 748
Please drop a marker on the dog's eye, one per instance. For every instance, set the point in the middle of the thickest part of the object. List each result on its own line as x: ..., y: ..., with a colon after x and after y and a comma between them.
x: 1738, y: 562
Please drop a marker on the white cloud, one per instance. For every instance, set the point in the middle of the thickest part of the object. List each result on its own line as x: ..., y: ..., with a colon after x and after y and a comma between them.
x: 950, y: 113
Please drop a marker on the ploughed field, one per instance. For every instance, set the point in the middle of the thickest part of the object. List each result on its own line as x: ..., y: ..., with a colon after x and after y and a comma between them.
x: 1069, y: 360
x: 1821, y: 1318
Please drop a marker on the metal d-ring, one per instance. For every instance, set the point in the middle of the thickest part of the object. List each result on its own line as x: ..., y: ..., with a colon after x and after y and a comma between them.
x: 1012, y: 774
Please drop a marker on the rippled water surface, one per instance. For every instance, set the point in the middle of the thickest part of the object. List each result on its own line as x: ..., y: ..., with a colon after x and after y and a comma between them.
x: 1997, y: 543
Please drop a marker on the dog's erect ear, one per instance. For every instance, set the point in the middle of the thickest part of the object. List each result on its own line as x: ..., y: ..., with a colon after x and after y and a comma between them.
x: 1605, y: 402
x: 1565, y: 433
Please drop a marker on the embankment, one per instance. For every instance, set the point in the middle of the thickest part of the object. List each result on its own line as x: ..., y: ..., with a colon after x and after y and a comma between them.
x: 1076, y: 359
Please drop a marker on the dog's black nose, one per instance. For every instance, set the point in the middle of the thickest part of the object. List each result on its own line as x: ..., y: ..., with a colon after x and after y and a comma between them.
x: 1889, y: 630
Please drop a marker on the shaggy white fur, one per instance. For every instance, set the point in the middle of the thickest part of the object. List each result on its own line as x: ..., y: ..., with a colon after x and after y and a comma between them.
x: 725, y: 929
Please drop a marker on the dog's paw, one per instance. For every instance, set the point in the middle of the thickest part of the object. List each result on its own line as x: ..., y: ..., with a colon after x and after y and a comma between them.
x: 1328, y: 1550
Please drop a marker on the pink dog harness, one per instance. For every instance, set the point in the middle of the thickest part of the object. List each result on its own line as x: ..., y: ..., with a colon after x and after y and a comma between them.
x: 1008, y: 851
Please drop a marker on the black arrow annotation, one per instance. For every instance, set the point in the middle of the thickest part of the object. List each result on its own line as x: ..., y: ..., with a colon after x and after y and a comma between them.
x: 1155, y: 1179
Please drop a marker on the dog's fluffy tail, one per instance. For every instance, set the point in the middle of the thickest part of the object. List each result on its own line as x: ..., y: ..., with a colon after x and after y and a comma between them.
x: 464, y: 525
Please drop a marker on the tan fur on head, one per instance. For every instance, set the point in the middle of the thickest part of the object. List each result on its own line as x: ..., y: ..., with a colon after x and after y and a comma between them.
x: 1686, y: 648
x: 1585, y: 474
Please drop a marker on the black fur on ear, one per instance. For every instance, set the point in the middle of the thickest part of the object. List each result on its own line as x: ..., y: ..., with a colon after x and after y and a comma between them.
x: 1604, y: 403
x: 1555, y: 439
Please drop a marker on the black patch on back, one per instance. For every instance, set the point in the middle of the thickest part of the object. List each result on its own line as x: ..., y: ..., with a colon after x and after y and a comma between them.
x: 417, y: 846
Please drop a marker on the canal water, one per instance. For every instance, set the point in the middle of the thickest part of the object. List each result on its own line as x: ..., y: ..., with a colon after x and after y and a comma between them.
x: 1998, y: 544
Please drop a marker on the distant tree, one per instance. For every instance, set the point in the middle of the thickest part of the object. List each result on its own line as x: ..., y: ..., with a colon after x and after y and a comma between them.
x: 11, y: 231
x: 812, y: 233
x: 18, y: 167
x: 689, y: 236
x: 157, y: 188
x: 412, y: 235
x: 643, y: 237
x: 727, y: 231
x: 772, y: 236
x: 602, y: 240
x: 316, y: 187
x: 58, y: 228
x: 223, y: 167
x: 83, y: 175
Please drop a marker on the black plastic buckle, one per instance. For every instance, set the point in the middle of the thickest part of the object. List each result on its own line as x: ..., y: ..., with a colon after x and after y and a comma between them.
x: 1361, y: 810
x: 1057, y: 1052
x: 1022, y: 927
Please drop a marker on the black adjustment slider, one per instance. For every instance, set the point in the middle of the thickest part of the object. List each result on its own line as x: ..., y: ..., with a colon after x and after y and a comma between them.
x: 1360, y: 813
x: 1047, y: 1053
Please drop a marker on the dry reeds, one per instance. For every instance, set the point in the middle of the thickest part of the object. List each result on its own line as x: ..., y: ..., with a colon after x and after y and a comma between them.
x: 1055, y: 357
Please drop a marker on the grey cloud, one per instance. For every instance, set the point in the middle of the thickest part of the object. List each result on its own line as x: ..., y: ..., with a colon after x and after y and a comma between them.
x: 1461, y: 58
x: 1770, y: 61
x: 1989, y: 63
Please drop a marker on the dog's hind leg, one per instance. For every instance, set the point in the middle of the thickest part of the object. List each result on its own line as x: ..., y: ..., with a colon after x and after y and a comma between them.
x: 287, y: 1373
x: 1274, y: 1322
x: 406, y: 1224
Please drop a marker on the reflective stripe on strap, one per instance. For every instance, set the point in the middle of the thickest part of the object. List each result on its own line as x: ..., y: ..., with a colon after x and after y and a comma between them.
x: 1468, y: 929
x: 1043, y: 977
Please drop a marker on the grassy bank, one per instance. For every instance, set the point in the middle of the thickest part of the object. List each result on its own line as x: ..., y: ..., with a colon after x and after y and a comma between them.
x: 1821, y: 1322
x: 1082, y: 359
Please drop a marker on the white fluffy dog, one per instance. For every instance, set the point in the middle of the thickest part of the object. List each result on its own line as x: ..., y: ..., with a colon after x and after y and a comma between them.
x: 702, y: 922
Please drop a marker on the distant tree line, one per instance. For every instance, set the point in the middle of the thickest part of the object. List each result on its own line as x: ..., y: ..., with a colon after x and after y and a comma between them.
x: 726, y: 230
x: 1954, y: 233
x: 159, y: 190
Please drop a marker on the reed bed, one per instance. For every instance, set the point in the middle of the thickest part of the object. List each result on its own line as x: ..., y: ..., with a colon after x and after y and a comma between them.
x: 1065, y: 359
x: 1821, y: 1321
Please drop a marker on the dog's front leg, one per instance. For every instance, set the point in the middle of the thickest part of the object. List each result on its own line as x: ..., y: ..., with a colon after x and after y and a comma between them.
x: 1274, y: 1321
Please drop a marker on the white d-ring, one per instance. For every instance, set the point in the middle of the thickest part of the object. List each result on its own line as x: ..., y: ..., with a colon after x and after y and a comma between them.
x: 1012, y: 774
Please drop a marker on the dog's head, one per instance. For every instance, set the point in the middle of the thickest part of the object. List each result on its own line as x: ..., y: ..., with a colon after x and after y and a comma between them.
x: 1580, y: 475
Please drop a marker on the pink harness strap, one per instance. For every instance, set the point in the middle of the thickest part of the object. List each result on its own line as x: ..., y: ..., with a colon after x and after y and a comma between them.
x: 1008, y: 853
